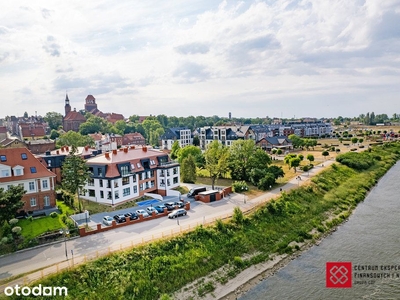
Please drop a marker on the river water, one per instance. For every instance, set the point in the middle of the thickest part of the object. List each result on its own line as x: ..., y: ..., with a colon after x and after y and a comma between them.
x: 371, y: 237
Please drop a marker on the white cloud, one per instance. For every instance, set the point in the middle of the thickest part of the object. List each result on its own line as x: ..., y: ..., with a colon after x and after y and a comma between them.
x: 255, y: 58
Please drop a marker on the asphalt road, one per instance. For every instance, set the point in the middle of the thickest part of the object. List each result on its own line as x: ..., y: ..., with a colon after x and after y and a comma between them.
x: 37, y: 258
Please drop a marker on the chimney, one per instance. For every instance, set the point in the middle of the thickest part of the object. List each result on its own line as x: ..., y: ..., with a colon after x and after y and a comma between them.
x: 132, y: 147
x: 126, y: 150
x: 67, y: 148
x: 107, y: 154
x: 58, y: 151
x: 86, y: 148
x: 115, y: 151
x: 144, y: 148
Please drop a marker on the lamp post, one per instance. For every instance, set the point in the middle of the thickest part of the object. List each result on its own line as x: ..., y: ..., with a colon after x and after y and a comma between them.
x: 65, y: 232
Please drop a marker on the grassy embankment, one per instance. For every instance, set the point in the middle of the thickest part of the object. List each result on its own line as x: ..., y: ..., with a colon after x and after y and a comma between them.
x: 149, y: 271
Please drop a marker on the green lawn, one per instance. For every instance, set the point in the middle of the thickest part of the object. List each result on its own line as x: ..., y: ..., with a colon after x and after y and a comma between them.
x: 34, y: 228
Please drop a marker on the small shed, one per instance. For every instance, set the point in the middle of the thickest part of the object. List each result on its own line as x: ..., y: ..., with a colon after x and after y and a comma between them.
x: 209, y: 196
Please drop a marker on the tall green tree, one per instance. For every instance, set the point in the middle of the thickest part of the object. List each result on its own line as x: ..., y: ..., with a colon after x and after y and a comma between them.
x: 310, y: 158
x: 10, y: 202
x: 196, y: 141
x: 188, y: 169
x: 75, y: 174
x: 54, y: 119
x: 216, y: 156
x: 153, y: 130
x: 297, y: 141
x: 72, y: 138
x: 190, y: 150
x: 175, y: 150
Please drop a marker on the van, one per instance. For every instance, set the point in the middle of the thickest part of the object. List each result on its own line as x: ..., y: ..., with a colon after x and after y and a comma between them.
x: 194, y: 191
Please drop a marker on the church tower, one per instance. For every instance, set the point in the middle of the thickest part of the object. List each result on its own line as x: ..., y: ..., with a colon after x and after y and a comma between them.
x: 90, y: 104
x: 67, y: 106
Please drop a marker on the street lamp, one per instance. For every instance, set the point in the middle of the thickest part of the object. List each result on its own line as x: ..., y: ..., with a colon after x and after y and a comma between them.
x: 65, y: 232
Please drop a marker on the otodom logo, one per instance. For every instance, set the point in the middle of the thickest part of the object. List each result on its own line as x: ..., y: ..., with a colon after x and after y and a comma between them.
x: 338, y: 275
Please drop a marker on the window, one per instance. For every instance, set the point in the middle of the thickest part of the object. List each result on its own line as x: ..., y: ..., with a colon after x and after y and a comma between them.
x: 109, y: 195
x: 124, y: 170
x: 115, y: 184
x: 90, y: 182
x: 135, y: 189
x: 175, y: 180
x: 162, y: 173
x: 151, y: 173
x: 141, y: 176
x: 101, y: 182
x: 3, y: 158
x: 46, y: 201
x: 33, y: 202
x: 168, y: 182
x: 116, y: 193
x: 125, y: 180
x: 5, y: 173
x: 100, y: 172
x: 138, y: 165
x: 92, y: 193
x: 45, y: 184
x: 162, y: 183
x: 24, y: 156
x: 175, y: 171
x: 141, y: 187
x: 126, y: 192
x: 33, y: 170
x: 134, y: 178
x: 167, y: 172
x: 101, y: 194
x: 31, y: 186
x: 17, y: 172
x: 49, y: 163
x: 133, y: 166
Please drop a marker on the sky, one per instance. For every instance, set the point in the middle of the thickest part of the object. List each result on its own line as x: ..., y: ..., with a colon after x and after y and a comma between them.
x: 319, y: 58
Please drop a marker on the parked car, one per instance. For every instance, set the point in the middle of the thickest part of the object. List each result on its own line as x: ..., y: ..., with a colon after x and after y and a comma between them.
x: 170, y: 206
x: 150, y: 210
x: 120, y: 218
x: 143, y: 213
x: 107, y: 220
x: 179, y: 204
x: 132, y: 215
x: 160, y: 208
x: 177, y: 213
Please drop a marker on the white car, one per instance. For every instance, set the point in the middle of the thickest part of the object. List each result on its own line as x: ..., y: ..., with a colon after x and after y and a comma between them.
x: 107, y: 220
x: 143, y: 213
x: 150, y: 210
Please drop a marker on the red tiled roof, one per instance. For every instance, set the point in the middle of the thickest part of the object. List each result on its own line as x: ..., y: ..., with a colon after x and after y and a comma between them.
x: 96, y: 136
x: 74, y: 116
x: 28, y: 131
x: 90, y: 97
x: 14, y: 158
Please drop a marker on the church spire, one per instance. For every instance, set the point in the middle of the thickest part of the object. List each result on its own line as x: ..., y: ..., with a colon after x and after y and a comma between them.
x: 67, y: 106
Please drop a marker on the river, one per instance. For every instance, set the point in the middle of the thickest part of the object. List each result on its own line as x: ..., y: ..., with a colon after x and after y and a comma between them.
x: 369, y: 239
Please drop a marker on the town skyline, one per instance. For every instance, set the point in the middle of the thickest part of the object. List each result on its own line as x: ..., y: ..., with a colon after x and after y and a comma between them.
x: 255, y: 58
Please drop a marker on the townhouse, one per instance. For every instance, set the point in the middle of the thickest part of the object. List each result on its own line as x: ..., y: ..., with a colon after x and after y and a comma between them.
x: 18, y: 166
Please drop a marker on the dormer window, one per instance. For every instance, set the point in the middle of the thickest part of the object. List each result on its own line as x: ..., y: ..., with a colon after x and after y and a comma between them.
x: 3, y: 158
x: 33, y: 170
x: 24, y: 156
x: 138, y: 165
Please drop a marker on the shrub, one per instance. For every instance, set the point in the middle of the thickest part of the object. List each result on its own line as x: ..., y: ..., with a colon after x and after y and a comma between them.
x: 16, y: 230
x: 54, y: 215
x: 13, y: 222
x: 240, y: 186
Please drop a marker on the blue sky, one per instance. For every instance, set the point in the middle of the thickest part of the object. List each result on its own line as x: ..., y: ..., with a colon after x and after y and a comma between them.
x: 317, y: 58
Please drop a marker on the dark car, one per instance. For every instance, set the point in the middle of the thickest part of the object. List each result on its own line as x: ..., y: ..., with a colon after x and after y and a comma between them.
x: 170, y: 206
x: 160, y: 208
x: 119, y: 218
x: 132, y: 215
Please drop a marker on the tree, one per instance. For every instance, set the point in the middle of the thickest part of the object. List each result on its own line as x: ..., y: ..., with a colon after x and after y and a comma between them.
x: 279, y: 151
x: 297, y: 142
x: 54, y: 119
x: 120, y: 126
x: 310, y: 157
x: 325, y: 154
x: 188, y: 169
x: 354, y: 140
x: 95, y: 124
x: 54, y: 134
x: 153, y: 130
x: 72, y: 138
x: 294, y: 163
x: 196, y: 141
x: 190, y: 150
x: 10, y: 202
x: 216, y: 156
x: 75, y: 174
x: 175, y: 149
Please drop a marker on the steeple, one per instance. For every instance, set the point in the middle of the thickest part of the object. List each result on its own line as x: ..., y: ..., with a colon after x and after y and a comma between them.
x: 67, y: 106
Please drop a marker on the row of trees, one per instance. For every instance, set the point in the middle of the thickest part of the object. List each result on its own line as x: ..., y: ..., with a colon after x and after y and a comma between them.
x: 244, y: 161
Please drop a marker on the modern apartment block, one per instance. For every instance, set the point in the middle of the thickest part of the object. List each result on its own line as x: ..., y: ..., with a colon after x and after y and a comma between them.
x: 181, y: 134
x: 128, y: 173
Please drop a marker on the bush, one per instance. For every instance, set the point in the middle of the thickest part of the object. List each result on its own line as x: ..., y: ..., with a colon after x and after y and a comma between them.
x: 240, y: 186
x: 13, y: 222
x: 54, y: 215
x: 16, y: 230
